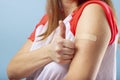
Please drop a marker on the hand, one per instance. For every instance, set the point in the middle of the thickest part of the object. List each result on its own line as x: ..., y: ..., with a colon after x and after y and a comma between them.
x: 61, y: 50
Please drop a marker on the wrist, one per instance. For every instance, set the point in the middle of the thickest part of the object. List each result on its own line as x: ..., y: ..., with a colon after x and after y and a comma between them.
x: 49, y: 52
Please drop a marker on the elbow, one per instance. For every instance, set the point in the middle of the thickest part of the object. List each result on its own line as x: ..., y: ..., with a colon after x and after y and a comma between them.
x: 10, y: 74
x: 16, y: 73
x: 13, y: 73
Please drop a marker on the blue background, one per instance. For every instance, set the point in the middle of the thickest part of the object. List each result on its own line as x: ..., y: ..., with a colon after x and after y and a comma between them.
x: 17, y: 20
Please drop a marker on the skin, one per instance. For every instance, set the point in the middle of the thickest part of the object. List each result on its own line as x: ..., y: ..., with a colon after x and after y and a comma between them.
x: 59, y: 50
x: 69, y: 6
x: 88, y: 54
x: 119, y: 40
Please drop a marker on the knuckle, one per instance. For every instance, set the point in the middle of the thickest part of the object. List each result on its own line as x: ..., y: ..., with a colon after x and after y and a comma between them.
x: 60, y: 41
x: 58, y: 49
x: 58, y: 57
x: 59, y: 61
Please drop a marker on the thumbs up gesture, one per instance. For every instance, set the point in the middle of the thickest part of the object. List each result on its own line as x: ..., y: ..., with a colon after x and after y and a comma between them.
x: 61, y: 50
x: 62, y: 29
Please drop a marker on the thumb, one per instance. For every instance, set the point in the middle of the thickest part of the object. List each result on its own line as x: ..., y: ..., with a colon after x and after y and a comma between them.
x: 62, y: 29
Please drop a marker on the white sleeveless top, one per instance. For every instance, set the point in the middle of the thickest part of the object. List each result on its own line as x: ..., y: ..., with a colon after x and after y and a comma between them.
x: 55, y: 71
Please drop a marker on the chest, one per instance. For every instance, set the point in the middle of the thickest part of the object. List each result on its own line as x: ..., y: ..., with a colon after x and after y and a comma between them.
x: 42, y: 28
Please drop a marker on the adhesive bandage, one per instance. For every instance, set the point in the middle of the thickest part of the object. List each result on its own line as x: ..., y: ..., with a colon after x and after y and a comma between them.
x: 88, y: 37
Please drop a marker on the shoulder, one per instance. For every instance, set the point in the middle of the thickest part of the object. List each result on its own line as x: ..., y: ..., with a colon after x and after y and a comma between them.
x: 43, y: 20
x: 93, y: 20
x: 99, y: 15
x: 40, y: 24
x: 95, y: 5
x: 93, y: 15
x: 89, y: 10
x: 93, y: 10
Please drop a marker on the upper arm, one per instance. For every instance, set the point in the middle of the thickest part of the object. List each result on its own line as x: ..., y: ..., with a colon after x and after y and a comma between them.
x: 89, y: 54
x: 119, y: 40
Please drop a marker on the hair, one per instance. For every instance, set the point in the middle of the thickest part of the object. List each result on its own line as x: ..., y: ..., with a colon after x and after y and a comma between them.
x: 55, y: 13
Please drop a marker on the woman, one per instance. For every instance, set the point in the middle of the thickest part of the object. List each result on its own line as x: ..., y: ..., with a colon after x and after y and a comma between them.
x: 119, y: 40
x: 75, y: 40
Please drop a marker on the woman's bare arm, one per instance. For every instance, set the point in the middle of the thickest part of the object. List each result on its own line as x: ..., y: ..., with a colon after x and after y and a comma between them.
x: 119, y: 40
x: 91, y: 41
x: 25, y: 61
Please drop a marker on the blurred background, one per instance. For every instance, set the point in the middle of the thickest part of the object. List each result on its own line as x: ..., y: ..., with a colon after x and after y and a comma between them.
x: 17, y: 20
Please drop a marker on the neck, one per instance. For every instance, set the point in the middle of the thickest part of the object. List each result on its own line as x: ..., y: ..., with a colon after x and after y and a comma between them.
x: 69, y: 6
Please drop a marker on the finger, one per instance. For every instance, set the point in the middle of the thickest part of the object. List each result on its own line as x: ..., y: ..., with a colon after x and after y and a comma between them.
x: 66, y: 62
x: 68, y: 51
x: 67, y: 57
x: 62, y: 29
x: 62, y: 57
x: 68, y: 44
x: 58, y: 48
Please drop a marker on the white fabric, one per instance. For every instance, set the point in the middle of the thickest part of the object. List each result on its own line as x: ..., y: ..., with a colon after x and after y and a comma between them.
x: 54, y: 71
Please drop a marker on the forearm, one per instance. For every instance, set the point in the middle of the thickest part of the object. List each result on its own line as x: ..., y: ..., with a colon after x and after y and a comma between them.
x: 23, y: 65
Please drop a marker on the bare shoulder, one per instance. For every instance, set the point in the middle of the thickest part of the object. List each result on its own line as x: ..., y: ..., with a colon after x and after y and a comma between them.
x: 93, y: 20
x: 93, y: 8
